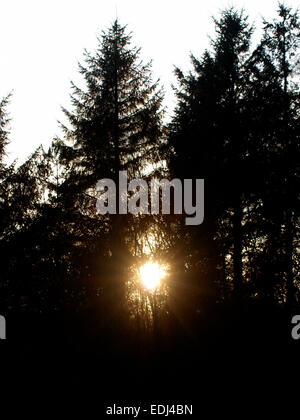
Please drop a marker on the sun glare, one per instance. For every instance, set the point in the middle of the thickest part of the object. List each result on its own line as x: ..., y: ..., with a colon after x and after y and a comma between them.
x: 151, y: 274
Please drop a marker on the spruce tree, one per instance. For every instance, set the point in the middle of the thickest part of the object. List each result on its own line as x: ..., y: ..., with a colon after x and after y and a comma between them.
x: 277, y: 61
x: 115, y: 124
x: 209, y: 136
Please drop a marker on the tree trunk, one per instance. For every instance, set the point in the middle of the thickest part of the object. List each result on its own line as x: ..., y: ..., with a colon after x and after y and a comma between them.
x: 237, y: 244
x: 290, y: 288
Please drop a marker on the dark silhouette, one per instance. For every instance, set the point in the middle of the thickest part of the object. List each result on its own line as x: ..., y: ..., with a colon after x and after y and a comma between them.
x: 70, y: 278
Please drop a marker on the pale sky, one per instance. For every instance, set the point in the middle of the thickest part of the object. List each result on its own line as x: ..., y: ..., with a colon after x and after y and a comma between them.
x: 42, y: 42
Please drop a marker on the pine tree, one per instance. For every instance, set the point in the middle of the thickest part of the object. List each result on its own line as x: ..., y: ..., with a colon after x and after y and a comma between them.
x: 116, y: 124
x: 277, y: 60
x: 209, y: 136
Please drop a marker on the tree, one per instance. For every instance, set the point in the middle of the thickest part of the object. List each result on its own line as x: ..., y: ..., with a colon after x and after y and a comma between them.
x: 209, y: 131
x: 116, y: 124
x: 275, y: 82
x: 4, y: 132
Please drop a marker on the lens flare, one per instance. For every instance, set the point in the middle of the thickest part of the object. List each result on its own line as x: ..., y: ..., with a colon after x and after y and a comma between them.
x: 151, y: 274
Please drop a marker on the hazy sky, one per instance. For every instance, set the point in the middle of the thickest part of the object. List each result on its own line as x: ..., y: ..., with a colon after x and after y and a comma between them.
x: 42, y: 41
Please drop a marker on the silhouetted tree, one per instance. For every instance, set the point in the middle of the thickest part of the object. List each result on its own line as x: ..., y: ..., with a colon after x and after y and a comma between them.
x: 116, y: 124
x: 209, y: 136
x: 275, y: 114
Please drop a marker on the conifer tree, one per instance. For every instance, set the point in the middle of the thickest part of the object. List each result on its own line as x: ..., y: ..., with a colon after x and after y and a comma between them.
x: 115, y: 124
x: 276, y: 62
x: 210, y: 132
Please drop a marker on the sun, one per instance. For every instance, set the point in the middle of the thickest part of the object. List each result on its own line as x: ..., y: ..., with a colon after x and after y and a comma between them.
x: 151, y: 274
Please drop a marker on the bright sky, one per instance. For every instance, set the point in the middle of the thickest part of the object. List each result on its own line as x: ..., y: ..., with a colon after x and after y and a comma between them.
x: 42, y: 41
